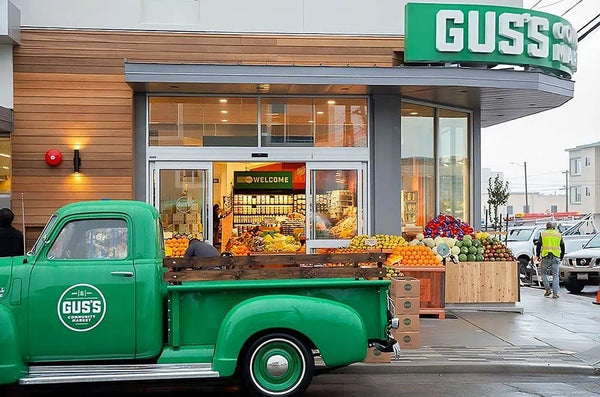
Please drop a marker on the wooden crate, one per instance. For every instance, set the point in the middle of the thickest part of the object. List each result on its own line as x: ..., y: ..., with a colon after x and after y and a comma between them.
x: 431, y: 294
x: 482, y: 282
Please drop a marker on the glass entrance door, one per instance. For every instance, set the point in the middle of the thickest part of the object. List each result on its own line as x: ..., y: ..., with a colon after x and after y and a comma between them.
x: 335, y: 203
x: 182, y: 193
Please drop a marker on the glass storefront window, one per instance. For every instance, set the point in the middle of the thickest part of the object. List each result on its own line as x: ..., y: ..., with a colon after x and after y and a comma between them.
x: 314, y: 122
x: 335, y: 204
x: 418, y: 173
x: 183, y: 202
x: 5, y: 171
x: 203, y: 121
x: 453, y: 163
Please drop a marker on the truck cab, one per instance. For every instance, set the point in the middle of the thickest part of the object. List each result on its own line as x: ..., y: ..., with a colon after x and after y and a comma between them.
x: 92, y: 290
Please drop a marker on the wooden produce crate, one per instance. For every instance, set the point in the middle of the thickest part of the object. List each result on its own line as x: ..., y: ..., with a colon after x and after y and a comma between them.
x: 482, y: 282
x: 432, y: 284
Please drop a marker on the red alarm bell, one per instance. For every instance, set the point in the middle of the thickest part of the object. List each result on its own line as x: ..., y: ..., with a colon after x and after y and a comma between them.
x: 53, y: 157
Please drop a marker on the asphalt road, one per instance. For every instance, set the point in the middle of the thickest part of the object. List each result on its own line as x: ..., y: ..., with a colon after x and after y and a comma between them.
x: 334, y: 385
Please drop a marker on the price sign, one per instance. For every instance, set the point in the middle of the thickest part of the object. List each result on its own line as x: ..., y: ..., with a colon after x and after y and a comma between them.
x: 371, y: 242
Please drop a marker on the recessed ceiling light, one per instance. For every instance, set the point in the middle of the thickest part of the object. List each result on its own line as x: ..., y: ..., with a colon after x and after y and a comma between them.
x: 414, y: 113
x: 320, y: 112
x: 331, y: 102
x: 5, y: 167
x: 263, y: 87
x: 223, y: 100
x: 224, y: 111
x: 273, y: 114
x: 311, y: 121
x: 5, y: 155
x: 224, y: 120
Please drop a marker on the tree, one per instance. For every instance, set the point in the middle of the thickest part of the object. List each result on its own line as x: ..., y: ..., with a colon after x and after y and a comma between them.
x: 497, y: 196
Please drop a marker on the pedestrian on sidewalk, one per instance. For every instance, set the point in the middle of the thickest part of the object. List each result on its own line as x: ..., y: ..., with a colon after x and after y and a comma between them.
x: 11, y: 239
x: 551, y: 248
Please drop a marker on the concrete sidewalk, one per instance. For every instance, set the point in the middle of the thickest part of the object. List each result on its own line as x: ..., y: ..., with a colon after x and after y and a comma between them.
x: 550, y: 336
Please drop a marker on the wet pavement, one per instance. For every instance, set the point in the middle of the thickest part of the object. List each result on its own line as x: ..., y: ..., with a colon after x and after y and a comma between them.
x: 550, y: 335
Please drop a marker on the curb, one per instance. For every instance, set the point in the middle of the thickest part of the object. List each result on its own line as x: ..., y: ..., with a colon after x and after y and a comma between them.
x: 532, y: 368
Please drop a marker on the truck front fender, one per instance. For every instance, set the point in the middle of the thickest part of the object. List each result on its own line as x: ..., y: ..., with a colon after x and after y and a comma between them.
x: 337, y: 330
x: 12, y: 367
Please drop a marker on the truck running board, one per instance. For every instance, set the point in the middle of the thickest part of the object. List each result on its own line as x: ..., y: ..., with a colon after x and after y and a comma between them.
x: 114, y: 373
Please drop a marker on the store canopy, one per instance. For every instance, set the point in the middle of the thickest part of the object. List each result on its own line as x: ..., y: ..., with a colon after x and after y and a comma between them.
x: 500, y: 95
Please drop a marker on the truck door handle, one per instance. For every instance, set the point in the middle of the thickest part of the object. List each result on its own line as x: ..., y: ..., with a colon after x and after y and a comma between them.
x: 122, y: 274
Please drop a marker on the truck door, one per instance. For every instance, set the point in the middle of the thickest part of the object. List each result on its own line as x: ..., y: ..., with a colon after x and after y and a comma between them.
x: 82, y: 292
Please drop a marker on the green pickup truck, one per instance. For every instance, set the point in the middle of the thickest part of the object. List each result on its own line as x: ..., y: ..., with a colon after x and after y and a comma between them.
x: 89, y: 303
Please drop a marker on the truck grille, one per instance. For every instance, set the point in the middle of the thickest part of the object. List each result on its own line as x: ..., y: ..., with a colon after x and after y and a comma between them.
x: 584, y: 262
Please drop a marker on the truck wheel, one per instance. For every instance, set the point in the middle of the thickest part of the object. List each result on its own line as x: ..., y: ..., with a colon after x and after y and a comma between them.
x: 574, y: 287
x: 277, y: 365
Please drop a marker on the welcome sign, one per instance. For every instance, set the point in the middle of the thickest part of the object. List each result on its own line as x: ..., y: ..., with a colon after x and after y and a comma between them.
x: 262, y: 180
x: 461, y: 33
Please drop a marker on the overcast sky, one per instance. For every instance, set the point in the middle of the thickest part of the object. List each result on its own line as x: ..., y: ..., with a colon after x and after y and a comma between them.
x: 541, y: 139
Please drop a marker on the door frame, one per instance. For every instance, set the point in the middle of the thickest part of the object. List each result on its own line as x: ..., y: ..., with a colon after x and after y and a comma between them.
x: 154, y: 187
x: 362, y: 195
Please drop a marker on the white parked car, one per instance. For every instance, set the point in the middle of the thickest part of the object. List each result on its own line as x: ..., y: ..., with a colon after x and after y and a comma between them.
x: 582, y: 267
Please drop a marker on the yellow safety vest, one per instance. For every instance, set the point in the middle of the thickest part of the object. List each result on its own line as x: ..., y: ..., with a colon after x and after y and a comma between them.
x: 550, y: 243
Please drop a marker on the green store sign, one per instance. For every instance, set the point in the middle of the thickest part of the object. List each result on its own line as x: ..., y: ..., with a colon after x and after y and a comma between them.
x: 461, y: 33
x: 262, y: 180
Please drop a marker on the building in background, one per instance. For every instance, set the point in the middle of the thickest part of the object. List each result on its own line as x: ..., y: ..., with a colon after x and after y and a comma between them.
x: 584, y: 178
x: 163, y: 101
x: 538, y: 203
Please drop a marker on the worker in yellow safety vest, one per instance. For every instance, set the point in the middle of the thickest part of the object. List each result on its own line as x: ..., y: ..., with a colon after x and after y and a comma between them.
x: 551, y: 249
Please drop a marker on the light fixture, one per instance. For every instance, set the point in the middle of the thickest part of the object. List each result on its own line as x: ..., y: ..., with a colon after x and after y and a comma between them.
x: 320, y: 112
x: 224, y: 120
x: 311, y: 121
x: 76, y: 161
x: 223, y: 100
x: 414, y: 113
x: 5, y: 155
x: 331, y: 102
x: 224, y: 111
x: 263, y: 87
x: 5, y: 167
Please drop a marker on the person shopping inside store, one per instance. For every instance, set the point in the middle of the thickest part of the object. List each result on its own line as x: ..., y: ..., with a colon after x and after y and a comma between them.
x: 200, y: 249
x: 551, y: 248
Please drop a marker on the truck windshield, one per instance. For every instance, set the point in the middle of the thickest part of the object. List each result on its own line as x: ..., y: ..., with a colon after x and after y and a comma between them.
x: 520, y: 234
x: 43, y: 236
x: 594, y: 242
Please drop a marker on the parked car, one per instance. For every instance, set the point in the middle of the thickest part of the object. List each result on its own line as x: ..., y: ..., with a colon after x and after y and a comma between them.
x: 582, y: 267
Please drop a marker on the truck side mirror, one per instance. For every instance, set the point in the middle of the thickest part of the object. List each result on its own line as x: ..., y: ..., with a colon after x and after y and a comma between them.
x: 536, y: 241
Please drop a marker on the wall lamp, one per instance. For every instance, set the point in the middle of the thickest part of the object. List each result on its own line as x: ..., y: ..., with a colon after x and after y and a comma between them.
x: 76, y: 161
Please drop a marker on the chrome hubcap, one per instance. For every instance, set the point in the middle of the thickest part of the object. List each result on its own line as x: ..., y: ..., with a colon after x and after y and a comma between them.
x: 277, y: 365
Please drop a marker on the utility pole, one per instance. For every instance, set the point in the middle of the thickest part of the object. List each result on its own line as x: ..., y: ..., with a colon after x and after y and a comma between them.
x: 526, y: 199
x: 566, y: 190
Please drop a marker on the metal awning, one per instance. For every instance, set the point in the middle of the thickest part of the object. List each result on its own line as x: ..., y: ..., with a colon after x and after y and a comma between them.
x: 500, y: 95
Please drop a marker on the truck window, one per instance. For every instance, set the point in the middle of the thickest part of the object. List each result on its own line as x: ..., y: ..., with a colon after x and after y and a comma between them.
x: 44, y: 235
x: 519, y: 234
x: 91, y: 239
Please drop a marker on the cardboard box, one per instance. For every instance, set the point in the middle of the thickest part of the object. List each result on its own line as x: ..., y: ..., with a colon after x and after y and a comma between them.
x: 178, y: 218
x: 407, y: 340
x: 406, y: 306
x: 408, y: 322
x: 376, y: 356
x: 406, y: 287
x: 183, y: 228
x: 193, y: 217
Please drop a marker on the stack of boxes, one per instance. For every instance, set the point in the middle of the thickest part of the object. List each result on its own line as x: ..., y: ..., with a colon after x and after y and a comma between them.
x: 405, y: 295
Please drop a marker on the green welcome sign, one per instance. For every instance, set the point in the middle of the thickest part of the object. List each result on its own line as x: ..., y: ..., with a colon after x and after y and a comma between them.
x: 262, y: 180
x: 479, y: 34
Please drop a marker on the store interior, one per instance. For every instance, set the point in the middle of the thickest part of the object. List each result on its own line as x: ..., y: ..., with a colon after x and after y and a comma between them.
x: 261, y: 206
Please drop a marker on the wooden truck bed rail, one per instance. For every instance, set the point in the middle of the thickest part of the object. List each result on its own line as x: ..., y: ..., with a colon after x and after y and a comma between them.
x: 257, y: 267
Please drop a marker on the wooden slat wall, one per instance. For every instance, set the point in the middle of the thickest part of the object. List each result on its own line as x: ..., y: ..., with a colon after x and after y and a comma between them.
x: 70, y: 90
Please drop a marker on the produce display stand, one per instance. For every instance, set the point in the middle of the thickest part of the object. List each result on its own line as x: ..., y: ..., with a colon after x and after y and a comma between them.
x: 482, y: 282
x: 283, y: 266
x: 432, y: 288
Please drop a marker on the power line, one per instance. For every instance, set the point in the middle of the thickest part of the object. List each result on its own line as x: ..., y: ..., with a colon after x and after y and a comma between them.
x: 575, y: 5
x: 583, y: 36
x: 550, y: 5
x: 590, y: 21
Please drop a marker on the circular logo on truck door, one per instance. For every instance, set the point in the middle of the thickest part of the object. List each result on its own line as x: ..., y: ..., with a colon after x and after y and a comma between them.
x: 81, y: 307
